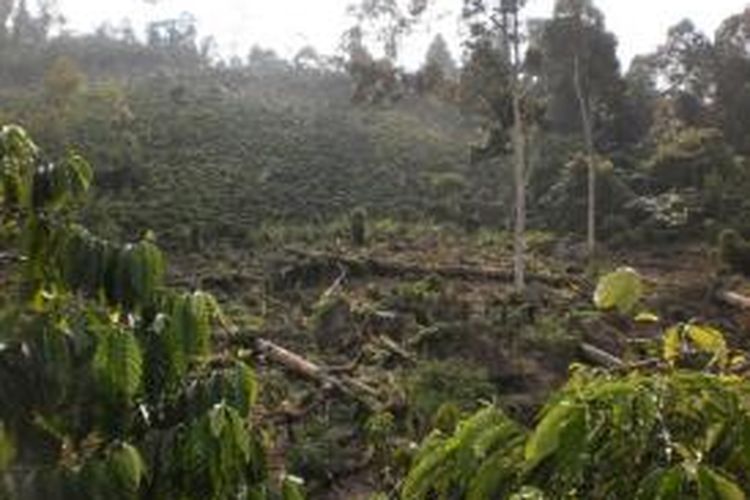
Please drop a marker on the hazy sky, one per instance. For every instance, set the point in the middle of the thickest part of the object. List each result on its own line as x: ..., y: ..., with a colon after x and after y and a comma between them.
x: 287, y: 25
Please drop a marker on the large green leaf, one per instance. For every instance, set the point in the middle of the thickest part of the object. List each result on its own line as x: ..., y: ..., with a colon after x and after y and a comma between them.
x: 146, y: 271
x: 127, y: 468
x: 621, y: 290
x: 118, y: 363
x: 545, y: 439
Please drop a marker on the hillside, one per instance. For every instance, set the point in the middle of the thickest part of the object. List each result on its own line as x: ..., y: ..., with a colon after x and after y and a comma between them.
x: 524, y: 275
x: 220, y: 154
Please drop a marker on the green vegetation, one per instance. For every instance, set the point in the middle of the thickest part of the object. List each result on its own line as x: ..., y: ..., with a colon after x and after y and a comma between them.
x: 105, y: 370
x: 381, y: 279
x: 673, y: 434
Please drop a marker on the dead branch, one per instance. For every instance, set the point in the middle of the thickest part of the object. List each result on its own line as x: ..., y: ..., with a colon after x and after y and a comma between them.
x: 602, y: 358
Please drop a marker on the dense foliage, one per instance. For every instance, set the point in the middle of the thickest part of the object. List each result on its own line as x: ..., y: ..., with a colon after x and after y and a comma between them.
x: 103, y: 371
x: 270, y: 179
x: 674, y: 433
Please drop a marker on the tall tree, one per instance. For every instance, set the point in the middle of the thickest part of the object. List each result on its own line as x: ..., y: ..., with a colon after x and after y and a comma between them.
x: 641, y: 97
x: 581, y: 71
x: 685, y: 64
x: 439, y: 66
x: 498, y: 70
x: 733, y: 79
x: 510, y: 10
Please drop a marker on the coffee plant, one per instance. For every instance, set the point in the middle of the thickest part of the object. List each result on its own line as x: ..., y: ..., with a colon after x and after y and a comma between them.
x: 681, y: 431
x: 105, y: 385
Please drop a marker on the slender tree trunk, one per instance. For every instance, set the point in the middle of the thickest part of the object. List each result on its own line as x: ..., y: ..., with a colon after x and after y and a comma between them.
x: 519, y: 179
x: 588, y: 136
x: 519, y: 153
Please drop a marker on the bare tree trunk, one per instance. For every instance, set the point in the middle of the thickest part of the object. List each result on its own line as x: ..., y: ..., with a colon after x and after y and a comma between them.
x: 519, y: 168
x: 588, y: 135
x: 519, y: 178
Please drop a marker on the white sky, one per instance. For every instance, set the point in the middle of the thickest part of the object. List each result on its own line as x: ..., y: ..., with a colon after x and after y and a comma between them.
x: 287, y: 25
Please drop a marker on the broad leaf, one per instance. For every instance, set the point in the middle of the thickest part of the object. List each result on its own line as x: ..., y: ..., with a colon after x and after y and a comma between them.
x: 621, y: 290
x: 545, y: 439
x: 126, y: 466
x: 118, y: 363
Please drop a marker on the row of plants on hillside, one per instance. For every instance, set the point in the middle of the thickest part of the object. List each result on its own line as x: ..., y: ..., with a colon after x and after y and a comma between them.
x: 202, y: 151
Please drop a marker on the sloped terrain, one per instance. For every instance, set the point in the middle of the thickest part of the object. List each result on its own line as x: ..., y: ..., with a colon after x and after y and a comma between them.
x: 225, y: 156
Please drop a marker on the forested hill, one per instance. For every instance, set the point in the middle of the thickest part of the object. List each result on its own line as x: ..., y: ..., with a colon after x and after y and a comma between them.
x: 200, y: 149
x: 204, y: 152
x: 340, y: 226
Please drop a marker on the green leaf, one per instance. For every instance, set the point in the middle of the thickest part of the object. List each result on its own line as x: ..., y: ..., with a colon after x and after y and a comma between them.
x: 663, y: 484
x: 80, y: 174
x: 711, y: 341
x: 545, y: 439
x: 621, y: 290
x: 7, y: 450
x: 118, y: 363
x: 127, y: 467
x: 217, y: 420
x: 146, y: 271
x: 712, y: 485
x: 244, y: 387
x: 703, y: 338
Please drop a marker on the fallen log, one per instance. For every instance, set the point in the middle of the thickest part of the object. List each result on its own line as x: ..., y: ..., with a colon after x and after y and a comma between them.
x: 389, y: 269
x: 734, y: 299
x: 600, y: 357
x: 297, y: 364
x: 290, y: 360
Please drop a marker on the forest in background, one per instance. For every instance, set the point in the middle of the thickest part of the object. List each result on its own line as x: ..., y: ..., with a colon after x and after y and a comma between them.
x: 335, y: 133
x: 354, y: 221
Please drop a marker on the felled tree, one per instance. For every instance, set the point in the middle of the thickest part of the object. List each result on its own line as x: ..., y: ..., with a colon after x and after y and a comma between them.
x: 103, y: 379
